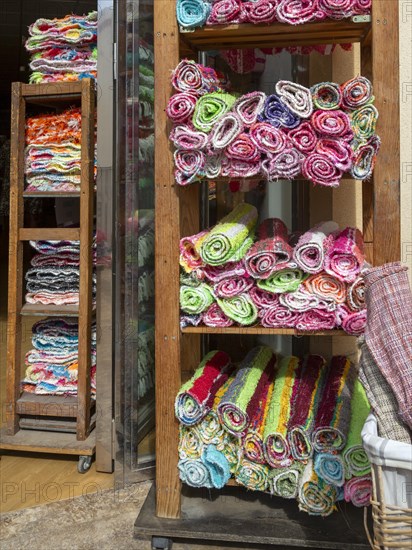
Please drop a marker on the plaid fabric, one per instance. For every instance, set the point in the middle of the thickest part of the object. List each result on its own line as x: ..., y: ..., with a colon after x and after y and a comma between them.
x: 382, y: 399
x: 388, y: 333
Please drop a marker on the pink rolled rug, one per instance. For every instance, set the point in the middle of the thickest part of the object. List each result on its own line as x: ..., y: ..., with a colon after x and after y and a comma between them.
x: 267, y: 138
x: 304, y: 138
x: 346, y: 255
x: 214, y: 317
x: 352, y: 322
x: 316, y: 319
x: 189, y: 255
x: 263, y: 299
x: 321, y: 170
x: 310, y: 250
x: 279, y: 317
x: 181, y: 107
x: 332, y: 124
x: 185, y: 136
x: 249, y: 106
x: 227, y: 288
x: 226, y: 271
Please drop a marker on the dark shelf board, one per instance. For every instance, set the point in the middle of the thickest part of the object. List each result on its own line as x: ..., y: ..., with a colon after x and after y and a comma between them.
x: 262, y: 330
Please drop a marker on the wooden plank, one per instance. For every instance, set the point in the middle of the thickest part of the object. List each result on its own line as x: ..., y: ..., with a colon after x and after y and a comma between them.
x: 15, y: 281
x: 57, y: 89
x: 86, y: 262
x: 167, y: 233
x: 262, y: 330
x: 50, y: 194
x: 48, y: 405
x: 52, y: 233
x: 385, y: 63
x: 35, y: 441
x: 51, y: 424
x: 69, y: 310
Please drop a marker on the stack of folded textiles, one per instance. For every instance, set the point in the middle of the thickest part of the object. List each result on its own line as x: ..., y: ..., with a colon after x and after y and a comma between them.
x: 321, y: 132
x: 290, y: 426
x: 63, y: 49
x: 52, y: 364
x: 54, y: 276
x: 197, y: 13
x: 232, y: 276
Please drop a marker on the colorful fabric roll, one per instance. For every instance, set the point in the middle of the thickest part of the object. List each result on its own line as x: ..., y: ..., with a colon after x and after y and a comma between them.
x: 284, y: 482
x: 263, y: 299
x: 194, y: 473
x: 332, y: 124
x: 213, y: 166
x: 186, y: 137
x: 356, y: 93
x: 345, y: 257
x: 190, y: 163
x: 278, y: 114
x: 195, y: 300
x: 352, y: 322
x: 277, y: 448
x: 286, y: 165
x: 363, y: 122
x: 356, y: 294
x: 303, y: 138
x: 214, y: 317
x: 190, y: 445
x: 326, y: 96
x: 181, y: 107
x: 309, y: 253
x: 267, y: 138
x: 217, y: 465
x: 225, y: 271
x: 307, y: 392
x: 190, y: 320
x: 189, y: 255
x: 316, y: 497
x: 210, y: 429
x: 252, y: 475
x: 301, y: 300
x: 330, y: 468
x: 243, y: 148
x: 192, y: 13
x: 355, y: 457
x: 333, y: 414
x: 210, y: 108
x: 364, y: 158
x: 339, y: 151
x: 278, y: 317
x: 262, y: 11
x: 271, y: 252
x: 249, y: 106
x: 195, y: 397
x: 336, y: 9
x: 232, y: 287
x: 230, y: 239
x: 239, y: 308
x: 193, y: 78
x: 326, y: 286
x: 284, y: 280
x: 321, y: 170
x: 298, y: 11
x: 225, y: 131
x: 358, y: 491
x: 240, y: 168
x: 237, y: 405
x: 298, y: 98
x: 226, y: 11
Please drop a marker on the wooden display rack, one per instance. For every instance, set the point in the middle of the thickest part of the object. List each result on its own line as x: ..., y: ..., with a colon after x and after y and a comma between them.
x: 177, y: 214
x: 54, y: 424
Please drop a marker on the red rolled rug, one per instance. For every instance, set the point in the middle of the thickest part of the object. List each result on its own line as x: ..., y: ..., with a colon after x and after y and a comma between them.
x: 303, y: 138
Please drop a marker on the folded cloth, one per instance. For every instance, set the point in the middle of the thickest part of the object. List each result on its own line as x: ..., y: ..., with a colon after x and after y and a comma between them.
x: 332, y: 422
x: 186, y: 137
x: 226, y: 11
x: 218, y: 273
x: 190, y: 444
x: 345, y: 257
x: 309, y: 253
x: 306, y: 395
x: 263, y: 299
x: 210, y: 108
x: 277, y: 449
x: 239, y: 308
x: 284, y: 482
x: 316, y: 497
x: 189, y: 251
x: 194, y: 78
x: 56, y: 247
x: 352, y: 322
x: 278, y: 316
x: 277, y: 113
x: 303, y: 138
x: 330, y: 468
x: 320, y: 169
x: 64, y: 127
x: 332, y: 124
x: 252, y: 475
x: 267, y: 138
x: 192, y: 13
x: 248, y: 106
x: 297, y: 97
x: 64, y: 59
x: 214, y: 317
x: 382, y: 399
x: 217, y: 465
x: 358, y: 491
x: 57, y: 298
x: 363, y: 122
x: 355, y: 457
x: 195, y: 300
x: 326, y: 96
x: 326, y: 286
x: 53, y: 182
x: 388, y: 296
x: 230, y: 239
x: 355, y: 294
x: 196, y: 396
x: 284, y: 280
x: 364, y: 158
x: 298, y: 12
x: 227, y: 288
x: 356, y: 93
x: 194, y: 473
x: 238, y: 405
x: 225, y: 131
x: 271, y: 252
x: 181, y: 107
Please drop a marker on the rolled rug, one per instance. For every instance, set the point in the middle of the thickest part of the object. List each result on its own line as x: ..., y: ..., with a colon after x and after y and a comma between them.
x: 355, y: 457
x: 190, y: 320
x: 226, y: 11
x: 277, y: 449
x: 225, y: 271
x: 192, y: 13
x: 213, y: 166
x: 278, y: 114
x: 196, y: 396
x: 234, y: 168
x: 190, y: 444
x: 278, y: 316
x: 364, y: 158
x: 186, y: 137
x: 346, y: 255
x: 284, y: 280
x: 210, y: 430
x: 330, y: 468
x: 339, y: 151
x: 309, y: 252
x: 363, y: 122
x: 230, y: 239
x: 320, y: 169
x: 214, y: 317
x: 271, y: 252
x: 287, y: 164
x: 231, y: 449
x: 225, y: 131
x: 194, y: 473
x: 333, y: 415
x: 301, y: 300
x: 337, y: 9
x: 262, y: 11
x: 326, y: 286
x: 181, y: 107
x: 284, y: 482
x: 352, y: 322
x: 315, y: 497
x: 248, y: 106
x: 195, y: 300
x: 252, y: 475
x: 263, y: 299
x: 356, y: 93
x: 355, y: 294
x: 326, y: 96
x: 190, y: 163
x: 210, y: 108
x: 194, y: 78
x: 238, y: 404
x: 306, y: 396
x: 362, y: 7
x: 232, y: 287
x: 267, y: 138
x: 189, y: 255
x: 298, y: 11
x: 217, y: 465
x: 332, y: 124
x: 243, y: 148
x: 303, y: 138
x: 297, y: 97
x: 239, y: 308
x: 358, y: 491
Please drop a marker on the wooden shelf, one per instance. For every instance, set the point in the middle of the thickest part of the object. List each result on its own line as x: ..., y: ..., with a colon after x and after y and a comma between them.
x: 262, y: 330
x: 52, y: 233
x: 52, y: 310
x: 276, y: 35
x: 50, y: 194
x: 48, y: 405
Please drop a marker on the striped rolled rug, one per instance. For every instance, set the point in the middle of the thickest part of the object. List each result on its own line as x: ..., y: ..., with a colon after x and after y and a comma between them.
x: 284, y: 482
x: 316, y: 497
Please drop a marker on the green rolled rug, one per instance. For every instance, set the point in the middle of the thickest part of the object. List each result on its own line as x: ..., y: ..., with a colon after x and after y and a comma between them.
x: 284, y: 482
x: 231, y: 238
x: 195, y: 300
x: 240, y: 308
x: 210, y: 108
x: 356, y: 460
x: 284, y: 280
x: 252, y: 475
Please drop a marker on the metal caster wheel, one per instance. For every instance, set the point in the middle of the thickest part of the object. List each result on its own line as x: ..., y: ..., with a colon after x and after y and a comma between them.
x: 161, y: 543
x: 84, y: 464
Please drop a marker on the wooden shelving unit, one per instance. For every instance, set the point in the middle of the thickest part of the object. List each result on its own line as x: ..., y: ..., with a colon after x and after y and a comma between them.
x: 44, y: 412
x: 177, y: 214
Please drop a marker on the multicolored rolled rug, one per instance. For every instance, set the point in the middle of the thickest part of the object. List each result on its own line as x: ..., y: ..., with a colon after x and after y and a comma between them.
x: 330, y: 468
x: 284, y: 482
x: 189, y: 255
x: 346, y: 256
x: 252, y: 475
x: 358, y: 491
x: 239, y: 308
x: 195, y: 299
x: 284, y: 280
x: 315, y: 497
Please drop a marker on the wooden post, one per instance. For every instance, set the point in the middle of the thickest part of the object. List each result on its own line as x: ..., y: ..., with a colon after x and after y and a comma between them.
x: 385, y: 76
x: 15, y: 290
